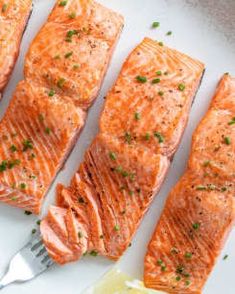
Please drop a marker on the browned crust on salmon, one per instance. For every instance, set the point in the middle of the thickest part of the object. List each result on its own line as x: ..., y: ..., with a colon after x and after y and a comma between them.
x: 64, y: 69
x: 200, y: 210
x: 14, y: 16
x: 140, y: 128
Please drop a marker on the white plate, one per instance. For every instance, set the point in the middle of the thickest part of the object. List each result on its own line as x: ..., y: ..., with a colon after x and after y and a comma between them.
x: 204, y: 30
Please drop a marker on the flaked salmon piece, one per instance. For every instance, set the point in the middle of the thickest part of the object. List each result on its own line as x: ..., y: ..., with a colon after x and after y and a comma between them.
x: 129, y: 159
x: 64, y: 69
x: 14, y: 15
x: 74, y: 63
x: 36, y: 134
x: 200, y: 210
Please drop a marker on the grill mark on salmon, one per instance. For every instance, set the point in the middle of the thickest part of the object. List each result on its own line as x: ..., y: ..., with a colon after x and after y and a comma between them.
x: 200, y: 210
x: 64, y: 70
x: 123, y: 169
x: 14, y: 16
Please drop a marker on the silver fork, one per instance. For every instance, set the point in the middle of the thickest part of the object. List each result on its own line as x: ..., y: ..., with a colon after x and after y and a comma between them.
x: 28, y: 263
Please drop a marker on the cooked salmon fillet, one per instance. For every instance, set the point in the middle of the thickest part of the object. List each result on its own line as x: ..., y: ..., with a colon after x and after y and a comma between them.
x: 200, y: 210
x: 140, y: 128
x: 14, y: 15
x: 64, y: 70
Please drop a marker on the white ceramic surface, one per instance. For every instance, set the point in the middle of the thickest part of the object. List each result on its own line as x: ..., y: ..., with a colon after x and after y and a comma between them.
x: 203, y: 29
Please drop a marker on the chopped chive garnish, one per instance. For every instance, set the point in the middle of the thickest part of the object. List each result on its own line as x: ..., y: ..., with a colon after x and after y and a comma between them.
x: 27, y: 212
x: 225, y: 257
x: 75, y: 66
x: 232, y: 121
x: 3, y: 166
x: 163, y: 268
x: 174, y: 250
x: 227, y: 140
x: 63, y: 3
x: 72, y: 15
x: 4, y: 7
x: 34, y: 231
x: 128, y: 138
x: 147, y: 137
x: 57, y: 57
x: 93, y: 253
x: 206, y: 163
x: 51, y: 93
x: 12, y: 163
x: 178, y: 278
x: 187, y: 282
x: 69, y: 54
x: 60, y: 83
x: 158, y: 73
x: 13, y: 148
x: 188, y: 255
x: 160, y: 43
x: 159, y: 262
x: 112, y: 155
x: 71, y: 33
x: 155, y: 24
x: 156, y: 81
x: 116, y: 228
x: 181, y: 87
x: 200, y: 188
x: 47, y: 131
x: 137, y: 116
x: 159, y: 136
x: 38, y: 222
x: 80, y: 235
x: 169, y: 33
x: 196, y: 226
x: 27, y: 144
x: 223, y: 189
x: 141, y: 79
x: 22, y: 186
x: 160, y: 93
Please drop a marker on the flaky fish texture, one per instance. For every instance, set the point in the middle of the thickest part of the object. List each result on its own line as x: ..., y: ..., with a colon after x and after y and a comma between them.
x: 200, y: 210
x: 64, y: 70
x: 142, y: 123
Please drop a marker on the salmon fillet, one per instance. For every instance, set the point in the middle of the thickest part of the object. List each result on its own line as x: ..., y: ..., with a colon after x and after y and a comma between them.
x: 200, y: 210
x: 64, y: 70
x: 14, y: 15
x: 140, y: 128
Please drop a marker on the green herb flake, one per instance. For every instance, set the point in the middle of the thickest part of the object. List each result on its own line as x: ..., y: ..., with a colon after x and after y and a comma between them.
x: 34, y: 231
x: 137, y: 116
x: 160, y: 44
x: 159, y: 137
x: 63, y: 3
x: 116, y: 228
x: 3, y: 166
x: 160, y: 93
x: 47, y: 131
x: 225, y: 257
x: 41, y: 117
x: 13, y: 148
x: 187, y: 282
x: 12, y: 163
x: 61, y: 83
x: 169, y: 33
x: 76, y: 66
x: 38, y: 222
x: 51, y: 93
x: 232, y: 121
x: 206, y: 163
x: 188, y: 255
x: 27, y: 144
x: 72, y: 15
x: 159, y: 262
x: 196, y: 226
x: 80, y: 235
x: 155, y: 24
x: 201, y: 188
x: 181, y: 87
x: 178, y: 278
x: 112, y: 156
x: 22, y: 186
x: 128, y: 138
x: 159, y: 73
x: 147, y: 137
x: 156, y: 81
x: 141, y: 79
x: 163, y: 268
x: 69, y: 54
x: 27, y: 212
x: 4, y: 7
x: 94, y: 253
x: 227, y: 140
